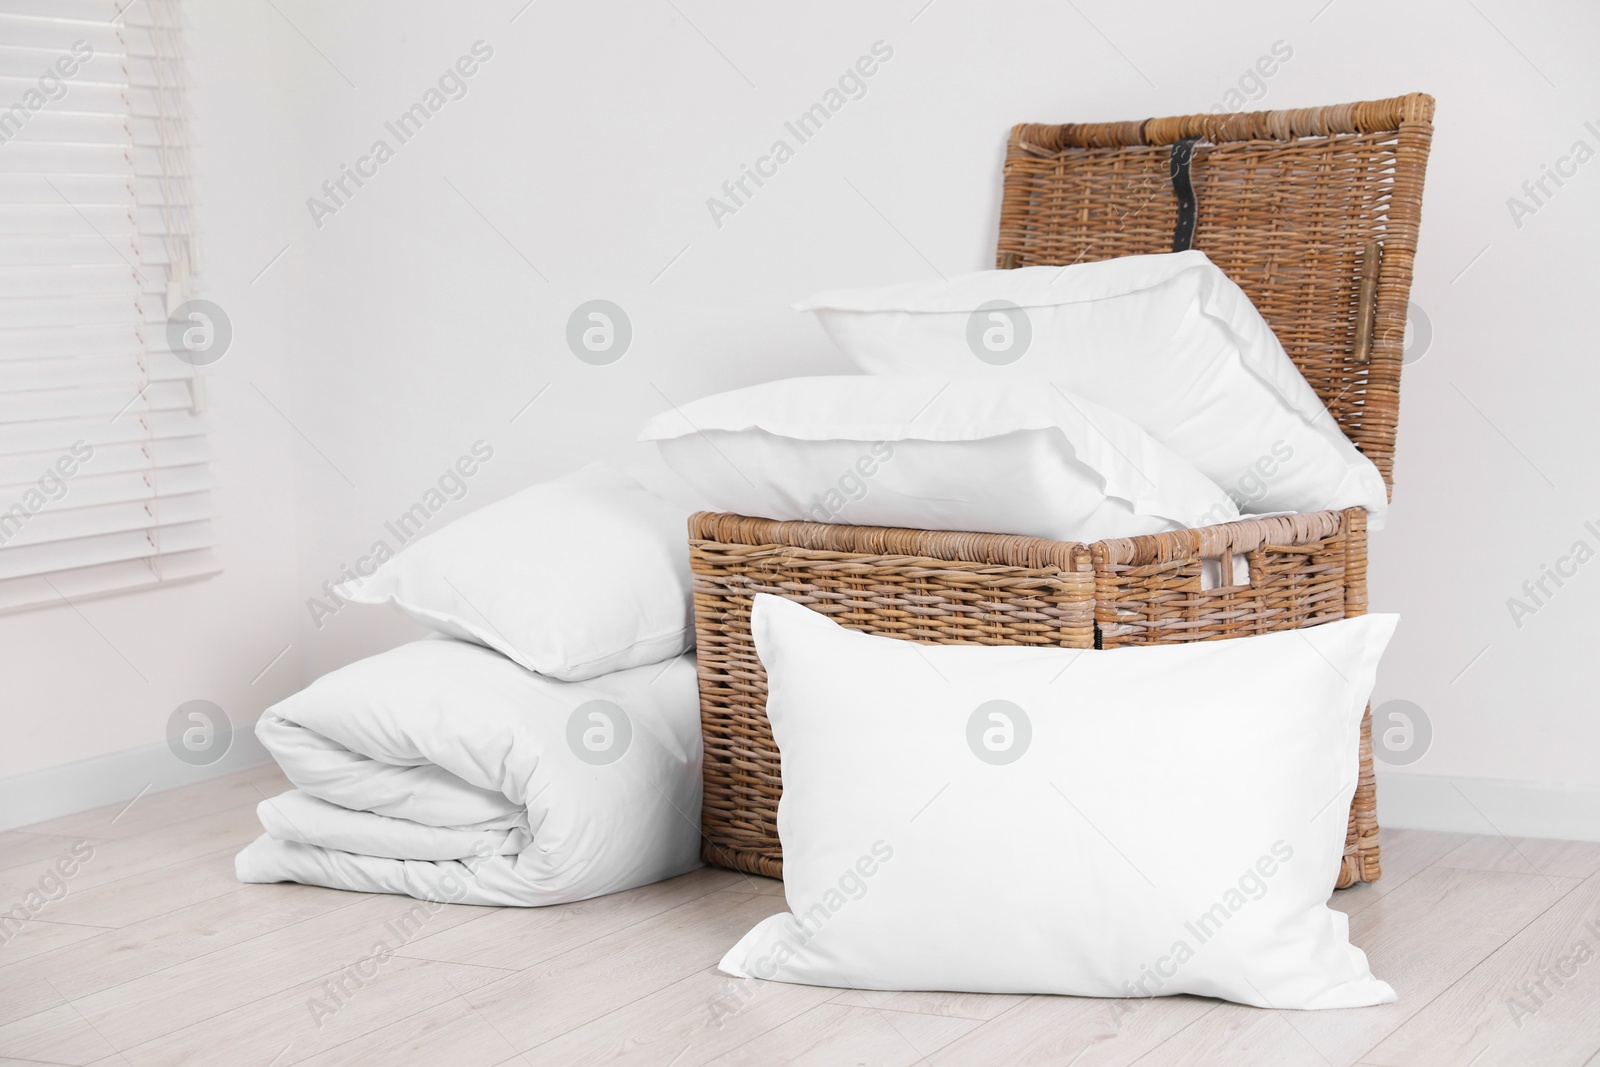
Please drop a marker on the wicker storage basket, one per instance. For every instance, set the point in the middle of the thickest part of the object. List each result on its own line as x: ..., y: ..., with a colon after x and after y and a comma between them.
x: 1314, y: 214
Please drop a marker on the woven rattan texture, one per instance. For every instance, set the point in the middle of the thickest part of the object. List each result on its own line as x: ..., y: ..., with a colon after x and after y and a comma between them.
x: 914, y: 585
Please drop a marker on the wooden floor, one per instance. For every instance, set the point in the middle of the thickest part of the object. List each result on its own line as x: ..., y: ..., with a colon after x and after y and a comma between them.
x: 154, y: 954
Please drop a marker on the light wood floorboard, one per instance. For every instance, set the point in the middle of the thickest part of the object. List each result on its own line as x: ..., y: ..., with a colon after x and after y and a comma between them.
x: 154, y: 954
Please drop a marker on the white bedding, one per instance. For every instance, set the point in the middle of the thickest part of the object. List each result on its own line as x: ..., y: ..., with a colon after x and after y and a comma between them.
x: 442, y: 770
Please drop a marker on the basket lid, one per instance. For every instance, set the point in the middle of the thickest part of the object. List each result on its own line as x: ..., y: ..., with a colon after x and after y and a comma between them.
x: 1313, y: 212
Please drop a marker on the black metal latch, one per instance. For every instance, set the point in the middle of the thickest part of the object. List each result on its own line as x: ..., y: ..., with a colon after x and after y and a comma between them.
x: 1183, y: 190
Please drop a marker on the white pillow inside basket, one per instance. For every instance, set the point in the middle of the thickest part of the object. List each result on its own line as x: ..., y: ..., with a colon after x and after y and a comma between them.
x: 925, y: 453
x: 1168, y: 340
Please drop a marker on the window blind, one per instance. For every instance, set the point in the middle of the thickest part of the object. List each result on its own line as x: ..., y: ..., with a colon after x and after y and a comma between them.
x: 105, y: 469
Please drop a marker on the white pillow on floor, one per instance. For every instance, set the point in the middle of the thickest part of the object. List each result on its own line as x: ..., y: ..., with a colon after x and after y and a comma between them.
x: 926, y: 454
x: 1130, y: 822
x: 573, y: 578
x: 1168, y: 340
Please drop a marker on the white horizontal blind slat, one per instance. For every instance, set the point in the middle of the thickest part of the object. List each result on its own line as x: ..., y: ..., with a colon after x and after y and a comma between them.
x: 84, y: 583
x: 20, y: 472
x: 104, y: 548
x: 62, y: 217
x: 85, y: 491
x: 132, y: 427
x: 27, y: 375
x: 40, y: 66
x: 155, y: 515
x: 82, y: 341
x: 107, y: 400
x: 49, y: 158
x: 21, y: 283
x: 86, y: 97
x: 67, y: 125
x: 98, y: 12
x: 85, y: 309
x: 90, y: 189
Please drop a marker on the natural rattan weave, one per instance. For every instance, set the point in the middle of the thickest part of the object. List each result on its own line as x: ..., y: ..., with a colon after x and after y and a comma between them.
x: 1288, y: 202
x: 1314, y: 214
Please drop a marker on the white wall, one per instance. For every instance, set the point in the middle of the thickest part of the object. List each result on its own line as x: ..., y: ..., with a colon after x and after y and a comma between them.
x: 98, y: 681
x: 408, y: 326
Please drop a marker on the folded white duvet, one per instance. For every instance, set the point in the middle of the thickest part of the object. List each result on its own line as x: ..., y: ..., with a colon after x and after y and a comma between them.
x: 443, y: 770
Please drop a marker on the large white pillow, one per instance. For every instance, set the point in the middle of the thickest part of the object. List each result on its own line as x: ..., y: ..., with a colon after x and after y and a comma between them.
x: 1130, y: 822
x: 1167, y: 340
x: 573, y: 578
x: 922, y: 453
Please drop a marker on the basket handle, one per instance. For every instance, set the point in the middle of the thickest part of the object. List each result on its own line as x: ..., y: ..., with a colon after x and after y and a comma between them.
x: 1367, y: 302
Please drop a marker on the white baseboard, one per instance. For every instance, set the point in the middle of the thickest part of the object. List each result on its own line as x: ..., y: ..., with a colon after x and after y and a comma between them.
x: 51, y: 792
x: 1488, y: 806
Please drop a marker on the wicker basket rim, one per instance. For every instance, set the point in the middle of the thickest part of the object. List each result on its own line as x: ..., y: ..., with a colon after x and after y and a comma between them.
x: 1363, y: 117
x: 1015, y: 550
